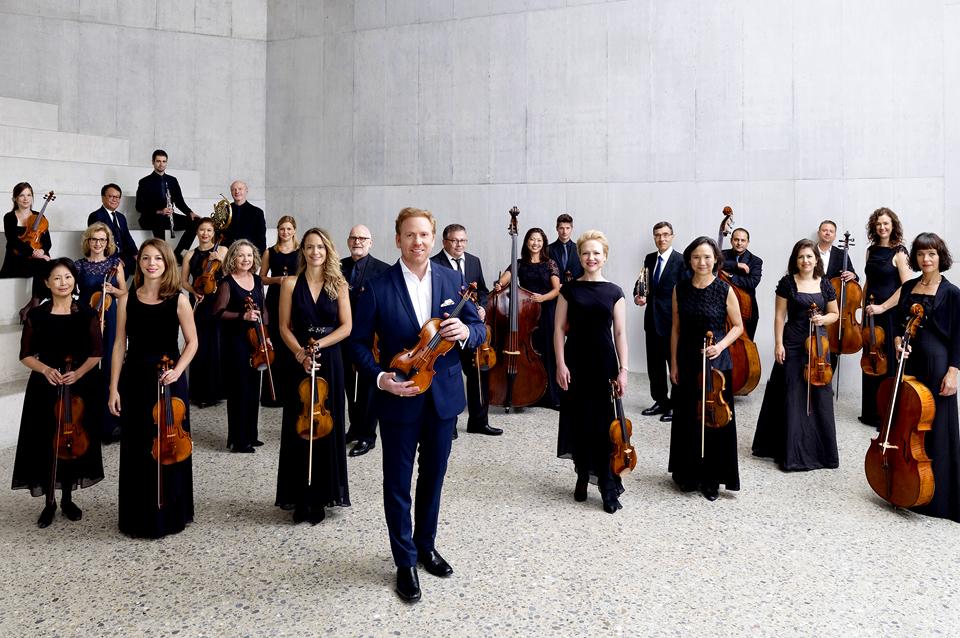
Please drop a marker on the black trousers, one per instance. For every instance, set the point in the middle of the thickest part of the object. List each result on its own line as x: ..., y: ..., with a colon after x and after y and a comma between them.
x: 160, y: 226
x: 363, y: 424
x: 478, y: 389
x: 658, y: 369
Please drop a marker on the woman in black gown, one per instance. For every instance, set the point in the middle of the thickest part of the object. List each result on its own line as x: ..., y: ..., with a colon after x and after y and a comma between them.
x: 590, y: 357
x: 51, y: 333
x: 279, y: 262
x: 20, y: 258
x: 885, y: 270
x: 149, y: 321
x: 242, y: 380
x: 700, y: 304
x: 934, y: 358
x: 540, y: 275
x: 314, y: 305
x: 206, y: 376
x: 785, y: 432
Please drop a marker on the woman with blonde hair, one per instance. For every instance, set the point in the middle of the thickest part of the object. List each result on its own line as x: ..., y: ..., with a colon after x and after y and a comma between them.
x: 279, y: 262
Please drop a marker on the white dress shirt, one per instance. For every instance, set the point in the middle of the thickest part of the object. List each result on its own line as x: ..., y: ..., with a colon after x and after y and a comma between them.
x: 421, y: 292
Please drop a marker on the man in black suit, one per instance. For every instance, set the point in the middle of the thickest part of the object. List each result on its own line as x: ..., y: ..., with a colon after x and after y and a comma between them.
x: 108, y: 214
x: 454, y: 255
x: 153, y: 192
x: 246, y: 221
x: 665, y: 268
x: 833, y: 263
x: 359, y: 268
x: 394, y: 307
x: 745, y: 270
x: 564, y: 250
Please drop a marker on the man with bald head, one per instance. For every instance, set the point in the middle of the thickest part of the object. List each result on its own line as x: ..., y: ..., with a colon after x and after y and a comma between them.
x: 359, y: 268
x: 247, y: 222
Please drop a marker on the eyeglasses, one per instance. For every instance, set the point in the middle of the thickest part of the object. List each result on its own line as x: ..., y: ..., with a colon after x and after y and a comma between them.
x: 358, y: 239
x: 97, y: 240
x: 113, y: 197
x: 456, y: 241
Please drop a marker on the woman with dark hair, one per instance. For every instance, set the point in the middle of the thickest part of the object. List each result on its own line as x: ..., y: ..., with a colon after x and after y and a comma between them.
x: 314, y: 305
x: 785, y: 432
x: 700, y: 304
x: 540, y: 275
x: 279, y: 262
x: 52, y: 333
x: 155, y: 500
x: 885, y: 270
x: 21, y: 259
x: 242, y: 381
x: 934, y: 359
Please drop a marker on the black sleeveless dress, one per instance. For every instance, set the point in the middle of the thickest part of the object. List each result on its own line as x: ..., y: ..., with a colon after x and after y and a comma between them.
x: 329, y: 481
x: 206, y: 383
x: 882, y: 280
x: 785, y: 433
x: 585, y: 409
x: 152, y: 332
x: 280, y: 264
x: 702, y: 310
x: 51, y: 338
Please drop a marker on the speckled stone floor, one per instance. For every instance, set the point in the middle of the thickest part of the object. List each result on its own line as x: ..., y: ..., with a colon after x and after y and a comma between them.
x: 812, y: 554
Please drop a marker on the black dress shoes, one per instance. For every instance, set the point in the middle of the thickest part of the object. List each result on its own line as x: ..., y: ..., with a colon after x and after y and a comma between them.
x: 244, y: 450
x: 580, y: 491
x: 710, y: 492
x: 257, y: 443
x: 361, y: 448
x: 656, y: 408
x: 434, y: 564
x: 485, y: 429
x: 667, y: 416
x: 408, y: 584
x: 610, y: 506
x: 70, y: 510
x: 317, y: 515
x: 455, y: 435
x: 46, y: 516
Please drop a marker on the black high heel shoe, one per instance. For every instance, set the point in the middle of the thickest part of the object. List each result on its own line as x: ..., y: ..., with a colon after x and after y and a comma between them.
x: 610, y: 506
x: 70, y: 510
x: 580, y: 491
x: 46, y: 516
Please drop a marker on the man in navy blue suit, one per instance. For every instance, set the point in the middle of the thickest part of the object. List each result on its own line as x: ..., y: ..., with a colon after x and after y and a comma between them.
x: 108, y: 214
x: 394, y: 307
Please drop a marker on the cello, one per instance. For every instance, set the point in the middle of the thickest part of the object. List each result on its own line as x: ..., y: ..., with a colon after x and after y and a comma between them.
x: 315, y: 422
x: 746, y: 358
x: 897, y: 466
x: 519, y: 379
x: 172, y: 443
x: 713, y: 407
x: 845, y: 334
x: 818, y: 371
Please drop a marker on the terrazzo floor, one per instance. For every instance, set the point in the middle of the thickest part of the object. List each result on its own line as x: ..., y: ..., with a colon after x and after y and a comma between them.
x: 809, y: 554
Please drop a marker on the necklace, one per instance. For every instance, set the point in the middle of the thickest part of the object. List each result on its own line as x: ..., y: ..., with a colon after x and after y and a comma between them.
x: 931, y: 283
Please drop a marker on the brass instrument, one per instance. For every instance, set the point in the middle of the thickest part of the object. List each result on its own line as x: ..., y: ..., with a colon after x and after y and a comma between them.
x: 222, y: 214
x: 641, y: 288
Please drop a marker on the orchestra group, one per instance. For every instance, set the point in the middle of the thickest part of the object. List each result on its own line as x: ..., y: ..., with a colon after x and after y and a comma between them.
x: 122, y: 341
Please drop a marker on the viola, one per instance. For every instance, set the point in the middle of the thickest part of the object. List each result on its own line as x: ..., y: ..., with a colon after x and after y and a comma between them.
x: 71, y: 440
x: 100, y: 300
x: 519, y: 378
x: 206, y: 282
x: 315, y: 421
x: 172, y: 444
x: 623, y: 456
x: 261, y: 358
x: 873, y: 361
x: 897, y: 466
x: 713, y: 407
x: 818, y: 372
x: 416, y: 363
x: 36, y: 225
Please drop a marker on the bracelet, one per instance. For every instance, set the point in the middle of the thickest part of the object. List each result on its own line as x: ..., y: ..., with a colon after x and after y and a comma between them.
x: 624, y: 368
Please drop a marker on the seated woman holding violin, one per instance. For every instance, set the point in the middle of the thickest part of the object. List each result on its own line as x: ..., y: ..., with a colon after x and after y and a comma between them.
x: 28, y: 243
x: 796, y: 425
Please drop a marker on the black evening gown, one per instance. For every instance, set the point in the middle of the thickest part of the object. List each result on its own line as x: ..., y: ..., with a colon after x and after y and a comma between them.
x: 51, y: 338
x: 586, y: 410
x: 536, y: 278
x: 206, y: 375
x: 936, y: 347
x: 17, y: 261
x: 329, y: 481
x: 785, y: 432
x: 280, y: 264
x: 702, y: 310
x: 882, y: 280
x: 90, y: 279
x: 241, y: 379
x: 152, y: 333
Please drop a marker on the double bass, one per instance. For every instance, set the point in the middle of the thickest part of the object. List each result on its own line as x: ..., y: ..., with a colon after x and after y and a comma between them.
x: 844, y: 334
x: 743, y: 351
x: 519, y: 378
x: 897, y: 466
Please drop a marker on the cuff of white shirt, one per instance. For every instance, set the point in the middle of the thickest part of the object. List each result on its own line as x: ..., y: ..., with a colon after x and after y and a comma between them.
x: 378, y: 380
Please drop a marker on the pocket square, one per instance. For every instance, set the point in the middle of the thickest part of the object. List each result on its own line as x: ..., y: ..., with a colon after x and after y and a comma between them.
x: 447, y: 302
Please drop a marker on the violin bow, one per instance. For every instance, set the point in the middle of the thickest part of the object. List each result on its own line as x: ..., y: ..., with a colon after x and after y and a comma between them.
x: 703, y: 403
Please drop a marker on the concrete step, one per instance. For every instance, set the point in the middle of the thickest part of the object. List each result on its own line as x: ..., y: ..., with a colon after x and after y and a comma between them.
x: 18, y: 141
x: 11, y: 406
x: 14, y: 293
x: 10, y: 367
x: 28, y: 114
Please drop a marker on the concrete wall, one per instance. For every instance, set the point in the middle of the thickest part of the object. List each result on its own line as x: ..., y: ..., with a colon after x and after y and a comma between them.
x: 621, y: 113
x: 185, y: 75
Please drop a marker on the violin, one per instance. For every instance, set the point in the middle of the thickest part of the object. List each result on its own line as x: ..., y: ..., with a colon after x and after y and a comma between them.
x: 416, y: 363
x: 262, y: 356
x: 315, y: 421
x: 623, y: 456
x: 746, y: 371
x: 484, y: 357
x: 519, y: 378
x: 36, y: 225
x: 897, y: 466
x: 873, y: 361
x: 100, y: 300
x: 172, y: 443
x: 844, y: 334
x: 206, y: 282
x: 713, y: 407
x: 818, y: 371
x: 71, y: 440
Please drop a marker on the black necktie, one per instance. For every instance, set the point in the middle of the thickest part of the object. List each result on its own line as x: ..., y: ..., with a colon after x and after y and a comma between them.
x: 459, y: 261
x: 563, y: 264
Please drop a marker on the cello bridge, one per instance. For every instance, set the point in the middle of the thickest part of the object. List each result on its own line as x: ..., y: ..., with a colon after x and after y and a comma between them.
x: 517, y: 352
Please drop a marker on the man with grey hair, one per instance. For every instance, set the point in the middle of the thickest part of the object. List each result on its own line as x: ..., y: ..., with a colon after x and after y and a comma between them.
x: 247, y: 221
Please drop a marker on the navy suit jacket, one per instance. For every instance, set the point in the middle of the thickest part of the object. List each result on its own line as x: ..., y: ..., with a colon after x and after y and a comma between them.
x: 121, y: 235
x: 659, y: 314
x: 835, y: 267
x: 574, y: 266
x: 472, y: 272
x: 385, y: 309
